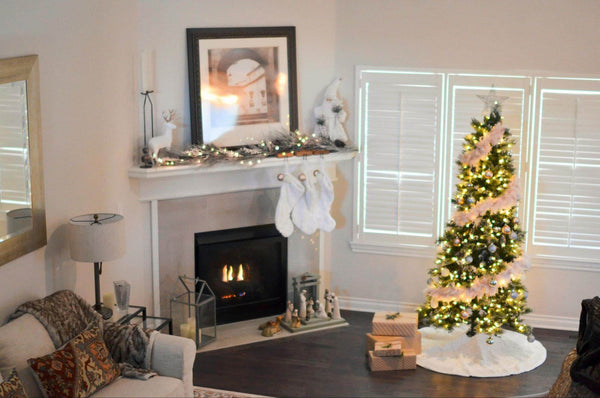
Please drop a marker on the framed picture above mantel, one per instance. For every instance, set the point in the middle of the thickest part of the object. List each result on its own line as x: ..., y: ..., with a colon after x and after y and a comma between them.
x: 242, y: 84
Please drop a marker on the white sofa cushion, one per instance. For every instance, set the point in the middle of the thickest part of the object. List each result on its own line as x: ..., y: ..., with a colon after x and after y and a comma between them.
x: 21, y: 339
x: 158, y: 386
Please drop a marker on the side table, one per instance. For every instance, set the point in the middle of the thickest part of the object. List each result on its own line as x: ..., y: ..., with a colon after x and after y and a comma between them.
x: 137, y: 315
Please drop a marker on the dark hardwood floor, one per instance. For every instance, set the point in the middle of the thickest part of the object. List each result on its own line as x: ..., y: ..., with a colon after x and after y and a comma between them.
x: 332, y: 363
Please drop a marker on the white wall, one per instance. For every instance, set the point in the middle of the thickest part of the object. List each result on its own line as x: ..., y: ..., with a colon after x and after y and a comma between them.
x: 86, y: 51
x: 505, y: 35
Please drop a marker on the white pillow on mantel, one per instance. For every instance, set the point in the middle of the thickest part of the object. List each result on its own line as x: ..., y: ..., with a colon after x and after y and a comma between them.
x: 21, y: 339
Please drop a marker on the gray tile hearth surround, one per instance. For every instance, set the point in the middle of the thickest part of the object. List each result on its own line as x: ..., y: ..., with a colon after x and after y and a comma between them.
x: 179, y: 219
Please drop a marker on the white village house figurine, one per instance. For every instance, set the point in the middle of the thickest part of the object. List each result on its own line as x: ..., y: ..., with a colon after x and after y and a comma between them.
x: 327, y: 302
x: 302, y: 309
x: 288, y: 312
x: 320, y: 314
x: 330, y: 115
x: 336, y: 308
x: 166, y: 139
x: 310, y: 310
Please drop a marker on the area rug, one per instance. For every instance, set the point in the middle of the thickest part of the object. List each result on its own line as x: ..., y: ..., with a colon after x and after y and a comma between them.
x: 203, y: 392
x: 246, y: 332
x: 457, y: 354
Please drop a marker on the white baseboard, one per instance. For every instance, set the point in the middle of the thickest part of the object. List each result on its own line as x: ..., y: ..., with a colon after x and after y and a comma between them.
x: 535, y: 320
x: 552, y: 322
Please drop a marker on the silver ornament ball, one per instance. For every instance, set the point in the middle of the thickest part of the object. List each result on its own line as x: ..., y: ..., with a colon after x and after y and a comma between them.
x: 514, y: 295
x: 492, y: 248
x: 493, y: 282
x: 490, y: 340
x: 531, y: 338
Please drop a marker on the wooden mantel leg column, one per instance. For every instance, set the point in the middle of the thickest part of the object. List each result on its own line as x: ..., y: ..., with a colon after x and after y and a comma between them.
x: 155, y: 266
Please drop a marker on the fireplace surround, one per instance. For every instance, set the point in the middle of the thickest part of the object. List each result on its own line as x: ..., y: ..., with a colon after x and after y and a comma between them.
x: 246, y: 268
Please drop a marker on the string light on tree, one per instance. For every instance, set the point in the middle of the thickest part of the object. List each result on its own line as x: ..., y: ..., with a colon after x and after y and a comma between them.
x: 488, y: 294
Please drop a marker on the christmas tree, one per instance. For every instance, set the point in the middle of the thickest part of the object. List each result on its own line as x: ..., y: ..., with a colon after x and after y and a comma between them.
x: 476, y: 280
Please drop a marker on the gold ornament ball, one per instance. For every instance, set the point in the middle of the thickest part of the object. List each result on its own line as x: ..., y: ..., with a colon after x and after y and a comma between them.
x: 506, y: 229
x: 456, y: 242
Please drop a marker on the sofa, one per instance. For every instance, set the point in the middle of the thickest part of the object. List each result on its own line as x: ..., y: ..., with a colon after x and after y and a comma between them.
x: 172, y: 357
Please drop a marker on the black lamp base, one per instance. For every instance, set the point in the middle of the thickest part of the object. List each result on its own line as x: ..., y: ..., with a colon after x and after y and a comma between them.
x: 104, y: 311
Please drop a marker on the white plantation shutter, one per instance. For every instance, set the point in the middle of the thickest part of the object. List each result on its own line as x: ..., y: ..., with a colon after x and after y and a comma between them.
x: 566, y: 174
x: 399, y: 132
x: 464, y: 105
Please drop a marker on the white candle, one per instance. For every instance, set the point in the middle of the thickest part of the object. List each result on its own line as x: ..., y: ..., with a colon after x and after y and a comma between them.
x: 108, y: 299
x: 147, y: 71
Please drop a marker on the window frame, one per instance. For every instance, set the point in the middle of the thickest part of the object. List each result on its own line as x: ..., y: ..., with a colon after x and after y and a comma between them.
x: 364, y: 242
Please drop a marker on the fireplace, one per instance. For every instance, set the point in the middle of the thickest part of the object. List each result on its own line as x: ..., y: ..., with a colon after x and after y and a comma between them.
x: 247, y: 270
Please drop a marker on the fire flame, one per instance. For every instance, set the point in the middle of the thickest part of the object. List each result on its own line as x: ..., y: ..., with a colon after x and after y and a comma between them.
x: 240, y: 274
x: 227, y: 273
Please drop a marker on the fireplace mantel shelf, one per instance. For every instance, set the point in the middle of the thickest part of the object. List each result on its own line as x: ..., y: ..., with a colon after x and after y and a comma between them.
x: 171, y: 182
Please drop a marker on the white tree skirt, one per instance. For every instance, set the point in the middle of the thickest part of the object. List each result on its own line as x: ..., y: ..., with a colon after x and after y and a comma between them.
x: 457, y: 354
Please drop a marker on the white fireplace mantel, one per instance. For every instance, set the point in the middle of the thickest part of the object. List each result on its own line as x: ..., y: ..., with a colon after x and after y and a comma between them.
x: 175, y: 182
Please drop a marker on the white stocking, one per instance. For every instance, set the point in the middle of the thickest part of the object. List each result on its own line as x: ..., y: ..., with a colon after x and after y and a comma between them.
x: 324, y: 220
x: 291, y: 193
x: 303, y: 214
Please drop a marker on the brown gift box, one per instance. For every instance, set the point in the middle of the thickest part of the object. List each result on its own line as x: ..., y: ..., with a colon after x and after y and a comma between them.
x: 406, y: 361
x: 408, y: 342
x: 391, y: 349
x: 404, y: 324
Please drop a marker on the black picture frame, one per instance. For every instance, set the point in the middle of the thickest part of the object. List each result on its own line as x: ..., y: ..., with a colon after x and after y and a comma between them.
x: 242, y: 84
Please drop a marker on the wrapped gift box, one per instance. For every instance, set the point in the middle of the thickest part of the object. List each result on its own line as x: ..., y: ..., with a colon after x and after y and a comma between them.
x: 392, y: 349
x: 406, y: 361
x: 408, y: 342
x: 395, y: 323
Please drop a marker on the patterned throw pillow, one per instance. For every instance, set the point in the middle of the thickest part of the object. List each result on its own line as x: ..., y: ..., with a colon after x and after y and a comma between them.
x: 80, y: 368
x: 11, y: 386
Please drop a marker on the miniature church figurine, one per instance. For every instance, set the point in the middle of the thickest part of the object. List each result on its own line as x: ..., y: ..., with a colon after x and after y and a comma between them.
x: 336, y: 308
x: 320, y: 314
x: 327, y: 302
x: 288, y: 312
x: 302, y: 309
x: 310, y: 309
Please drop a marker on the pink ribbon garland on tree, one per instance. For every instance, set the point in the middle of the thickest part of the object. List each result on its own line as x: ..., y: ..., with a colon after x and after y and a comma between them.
x: 481, y: 286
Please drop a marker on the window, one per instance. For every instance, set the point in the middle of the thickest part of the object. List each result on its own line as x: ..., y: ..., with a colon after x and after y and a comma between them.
x: 565, y: 176
x: 411, y: 127
x: 400, y: 129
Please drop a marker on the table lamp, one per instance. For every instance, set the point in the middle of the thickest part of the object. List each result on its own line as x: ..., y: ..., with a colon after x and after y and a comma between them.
x: 95, y: 238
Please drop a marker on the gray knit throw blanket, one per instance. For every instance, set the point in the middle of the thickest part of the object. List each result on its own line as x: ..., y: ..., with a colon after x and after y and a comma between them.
x: 65, y: 315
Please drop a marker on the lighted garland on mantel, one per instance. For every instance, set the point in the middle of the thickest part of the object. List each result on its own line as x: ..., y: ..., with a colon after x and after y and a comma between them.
x: 283, y: 144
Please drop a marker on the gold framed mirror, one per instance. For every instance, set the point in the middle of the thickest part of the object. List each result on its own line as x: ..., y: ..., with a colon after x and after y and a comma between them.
x: 22, y: 208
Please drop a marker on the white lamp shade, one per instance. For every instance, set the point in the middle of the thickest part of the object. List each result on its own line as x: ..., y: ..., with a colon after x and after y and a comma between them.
x: 97, y: 241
